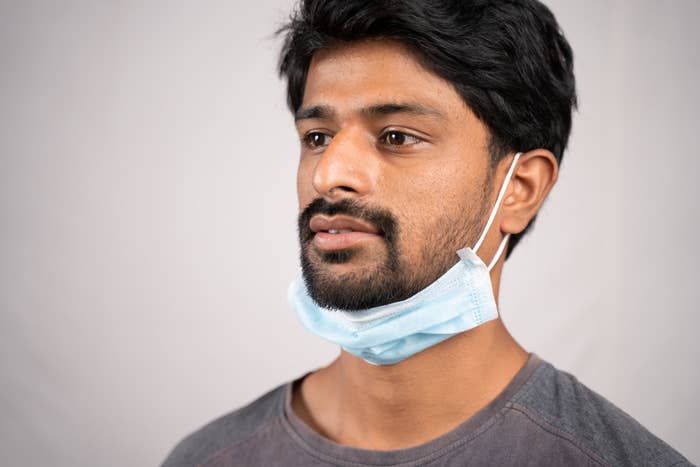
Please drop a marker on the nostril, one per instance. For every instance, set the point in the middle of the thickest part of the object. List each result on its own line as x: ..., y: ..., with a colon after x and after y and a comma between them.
x: 341, y: 189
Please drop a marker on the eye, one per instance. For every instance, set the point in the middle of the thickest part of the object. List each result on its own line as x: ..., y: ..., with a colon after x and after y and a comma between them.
x: 398, y: 138
x: 316, y: 139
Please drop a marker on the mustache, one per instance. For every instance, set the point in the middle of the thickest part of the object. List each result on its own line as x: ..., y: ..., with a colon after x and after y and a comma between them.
x: 381, y: 219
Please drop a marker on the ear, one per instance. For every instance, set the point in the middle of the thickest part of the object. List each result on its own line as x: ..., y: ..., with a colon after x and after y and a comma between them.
x: 533, y: 178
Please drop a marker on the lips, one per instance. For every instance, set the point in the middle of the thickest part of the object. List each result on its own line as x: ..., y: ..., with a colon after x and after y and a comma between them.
x: 339, y: 224
x: 340, y: 232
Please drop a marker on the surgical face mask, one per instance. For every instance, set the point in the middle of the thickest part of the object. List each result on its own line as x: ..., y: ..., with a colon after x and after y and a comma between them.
x: 459, y: 300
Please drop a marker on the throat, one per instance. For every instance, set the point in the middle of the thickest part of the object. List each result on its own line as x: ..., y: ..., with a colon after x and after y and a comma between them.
x: 376, y: 407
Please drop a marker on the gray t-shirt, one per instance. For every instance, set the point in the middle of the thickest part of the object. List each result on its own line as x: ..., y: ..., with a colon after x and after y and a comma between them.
x: 544, y: 417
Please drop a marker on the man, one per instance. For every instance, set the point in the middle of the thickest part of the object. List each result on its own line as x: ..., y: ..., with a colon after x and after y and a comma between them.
x: 431, y: 133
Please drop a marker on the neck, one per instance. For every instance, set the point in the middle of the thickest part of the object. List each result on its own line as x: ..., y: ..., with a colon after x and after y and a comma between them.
x: 375, y: 407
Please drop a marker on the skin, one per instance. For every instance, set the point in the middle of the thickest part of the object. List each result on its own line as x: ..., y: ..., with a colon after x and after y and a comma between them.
x: 436, y: 173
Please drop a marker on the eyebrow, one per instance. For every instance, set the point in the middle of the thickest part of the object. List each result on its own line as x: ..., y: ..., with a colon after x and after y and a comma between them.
x: 322, y: 112
x: 325, y: 112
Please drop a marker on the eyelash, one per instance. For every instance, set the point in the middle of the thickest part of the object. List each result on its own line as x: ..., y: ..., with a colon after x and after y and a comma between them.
x: 308, y: 138
x: 384, y: 138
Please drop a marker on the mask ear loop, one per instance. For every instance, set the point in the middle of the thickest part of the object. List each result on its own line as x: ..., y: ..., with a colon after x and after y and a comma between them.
x: 492, y: 216
x: 499, y: 252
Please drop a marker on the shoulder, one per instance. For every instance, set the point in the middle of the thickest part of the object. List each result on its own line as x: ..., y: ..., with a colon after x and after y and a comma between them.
x: 560, y: 403
x: 227, y: 430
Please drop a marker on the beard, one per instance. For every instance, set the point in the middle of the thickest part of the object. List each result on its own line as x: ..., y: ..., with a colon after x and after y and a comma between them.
x: 393, y: 278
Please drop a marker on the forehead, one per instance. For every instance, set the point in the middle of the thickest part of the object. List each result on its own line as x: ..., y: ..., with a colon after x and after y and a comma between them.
x: 361, y: 74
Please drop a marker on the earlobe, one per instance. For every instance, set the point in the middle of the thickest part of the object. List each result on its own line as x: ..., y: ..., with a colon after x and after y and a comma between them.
x: 533, y: 179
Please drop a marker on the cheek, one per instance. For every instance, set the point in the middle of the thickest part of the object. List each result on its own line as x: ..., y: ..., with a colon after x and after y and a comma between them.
x: 430, y: 207
x: 416, y: 209
x: 305, y: 190
x: 433, y: 194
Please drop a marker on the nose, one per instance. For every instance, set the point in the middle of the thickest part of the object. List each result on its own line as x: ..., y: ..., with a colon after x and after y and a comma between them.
x: 348, y: 167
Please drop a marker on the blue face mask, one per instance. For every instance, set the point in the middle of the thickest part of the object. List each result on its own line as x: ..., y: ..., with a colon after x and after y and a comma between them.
x: 459, y: 300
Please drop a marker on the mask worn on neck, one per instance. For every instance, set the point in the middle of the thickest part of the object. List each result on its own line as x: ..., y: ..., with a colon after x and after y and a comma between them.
x: 459, y: 300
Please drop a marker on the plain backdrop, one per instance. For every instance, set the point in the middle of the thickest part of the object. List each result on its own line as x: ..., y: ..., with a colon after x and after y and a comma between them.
x: 148, y: 207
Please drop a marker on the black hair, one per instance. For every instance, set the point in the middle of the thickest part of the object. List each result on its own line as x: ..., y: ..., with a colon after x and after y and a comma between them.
x: 508, y: 60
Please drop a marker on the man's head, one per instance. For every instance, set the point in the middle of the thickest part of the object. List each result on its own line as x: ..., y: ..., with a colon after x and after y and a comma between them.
x: 408, y: 111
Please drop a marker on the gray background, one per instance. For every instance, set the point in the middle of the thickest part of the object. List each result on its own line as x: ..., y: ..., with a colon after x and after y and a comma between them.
x: 147, y: 211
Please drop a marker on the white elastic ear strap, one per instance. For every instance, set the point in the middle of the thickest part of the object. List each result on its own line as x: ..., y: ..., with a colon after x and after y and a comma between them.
x: 499, y: 252
x: 501, y: 193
